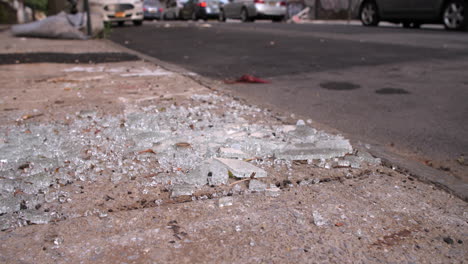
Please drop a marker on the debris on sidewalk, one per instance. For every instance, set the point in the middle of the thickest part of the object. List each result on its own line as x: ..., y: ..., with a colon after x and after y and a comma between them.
x: 182, y: 190
x: 242, y: 169
x: 301, y: 16
x: 318, y: 219
x: 122, y: 71
x: 155, y: 165
x: 225, y: 201
x: 151, y: 142
x: 60, y: 26
x: 247, y: 78
x: 273, y: 191
x: 232, y: 153
x: 130, y: 163
x: 257, y: 186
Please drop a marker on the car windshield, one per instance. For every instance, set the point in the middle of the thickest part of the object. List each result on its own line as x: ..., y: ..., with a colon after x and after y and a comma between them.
x: 151, y: 2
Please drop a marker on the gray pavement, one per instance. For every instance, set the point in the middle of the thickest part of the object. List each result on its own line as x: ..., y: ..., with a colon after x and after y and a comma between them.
x: 92, y: 154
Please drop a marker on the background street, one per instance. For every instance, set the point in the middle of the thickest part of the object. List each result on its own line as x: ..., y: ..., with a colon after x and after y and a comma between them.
x: 406, y: 89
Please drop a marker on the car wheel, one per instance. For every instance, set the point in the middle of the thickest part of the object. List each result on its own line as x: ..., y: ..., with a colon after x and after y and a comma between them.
x: 244, y: 15
x: 137, y: 22
x: 222, y: 16
x: 369, y: 14
x: 454, y: 15
x: 120, y: 23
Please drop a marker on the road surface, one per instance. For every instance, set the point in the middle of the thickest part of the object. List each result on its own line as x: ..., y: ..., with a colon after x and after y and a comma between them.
x: 406, y: 89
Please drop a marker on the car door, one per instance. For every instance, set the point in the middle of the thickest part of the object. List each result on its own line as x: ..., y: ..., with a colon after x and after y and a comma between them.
x: 236, y: 8
x: 396, y: 9
x: 186, y: 9
x: 229, y: 8
x: 426, y: 9
x: 170, y: 9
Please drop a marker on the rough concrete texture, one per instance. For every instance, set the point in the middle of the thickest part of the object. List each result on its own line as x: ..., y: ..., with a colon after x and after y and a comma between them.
x: 87, y: 174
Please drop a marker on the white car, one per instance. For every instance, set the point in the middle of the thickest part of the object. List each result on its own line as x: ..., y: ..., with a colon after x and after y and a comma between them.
x: 121, y: 11
x: 249, y: 10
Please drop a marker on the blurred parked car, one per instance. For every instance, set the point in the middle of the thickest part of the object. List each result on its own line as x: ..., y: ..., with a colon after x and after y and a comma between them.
x: 249, y: 10
x: 212, y: 8
x: 193, y: 9
x: 173, y: 8
x: 200, y: 9
x: 412, y: 13
x: 152, y: 9
x: 121, y: 11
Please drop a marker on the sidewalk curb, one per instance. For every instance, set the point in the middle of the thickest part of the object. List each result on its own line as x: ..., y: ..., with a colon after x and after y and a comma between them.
x: 204, y: 81
x: 4, y: 27
x: 423, y: 173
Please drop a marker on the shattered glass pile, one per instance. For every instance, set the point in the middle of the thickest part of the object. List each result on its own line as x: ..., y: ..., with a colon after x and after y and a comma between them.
x: 183, y: 146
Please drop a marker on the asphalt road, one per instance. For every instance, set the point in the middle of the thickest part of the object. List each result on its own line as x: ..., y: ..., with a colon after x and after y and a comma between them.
x: 403, y: 88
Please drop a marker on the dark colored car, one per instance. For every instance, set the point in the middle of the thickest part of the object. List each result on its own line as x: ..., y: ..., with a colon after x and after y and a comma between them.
x: 152, y: 9
x: 452, y: 14
x: 200, y: 9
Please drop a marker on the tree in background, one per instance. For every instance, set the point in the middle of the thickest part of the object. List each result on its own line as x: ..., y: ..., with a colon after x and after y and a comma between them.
x: 36, y: 5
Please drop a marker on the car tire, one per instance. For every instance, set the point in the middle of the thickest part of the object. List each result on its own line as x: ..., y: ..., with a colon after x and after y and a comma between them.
x: 369, y: 14
x: 244, y: 15
x: 137, y: 22
x: 454, y: 15
x: 222, y: 16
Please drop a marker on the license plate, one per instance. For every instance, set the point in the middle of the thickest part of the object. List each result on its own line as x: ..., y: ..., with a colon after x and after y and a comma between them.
x: 120, y: 14
x: 272, y: 3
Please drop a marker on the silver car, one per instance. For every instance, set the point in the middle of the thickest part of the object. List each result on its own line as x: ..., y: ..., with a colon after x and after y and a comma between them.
x: 212, y: 8
x: 173, y: 8
x: 249, y: 10
x: 412, y: 13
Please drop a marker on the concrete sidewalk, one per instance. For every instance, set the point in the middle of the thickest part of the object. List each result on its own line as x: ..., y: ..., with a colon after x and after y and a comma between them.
x: 131, y: 162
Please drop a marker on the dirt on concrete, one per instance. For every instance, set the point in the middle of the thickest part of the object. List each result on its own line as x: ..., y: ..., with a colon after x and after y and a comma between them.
x: 371, y: 214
